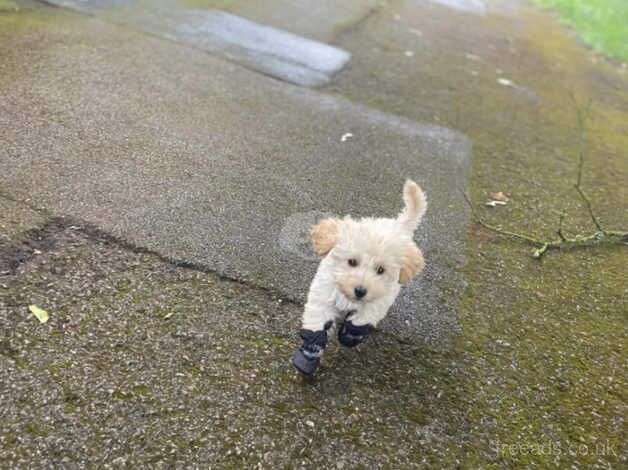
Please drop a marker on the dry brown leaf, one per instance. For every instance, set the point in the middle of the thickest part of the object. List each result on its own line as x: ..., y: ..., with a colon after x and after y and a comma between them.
x: 499, y: 197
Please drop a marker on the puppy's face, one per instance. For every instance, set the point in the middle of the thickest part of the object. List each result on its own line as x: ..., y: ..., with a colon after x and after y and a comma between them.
x: 369, y: 257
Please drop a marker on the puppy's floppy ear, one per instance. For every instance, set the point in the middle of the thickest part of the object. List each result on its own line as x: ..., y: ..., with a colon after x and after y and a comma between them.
x: 412, y: 263
x: 324, y: 235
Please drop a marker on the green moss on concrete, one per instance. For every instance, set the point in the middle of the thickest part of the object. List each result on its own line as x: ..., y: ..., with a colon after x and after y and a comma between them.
x: 121, y: 395
x: 143, y: 390
x: 542, y: 340
x: 70, y: 407
x: 8, y: 6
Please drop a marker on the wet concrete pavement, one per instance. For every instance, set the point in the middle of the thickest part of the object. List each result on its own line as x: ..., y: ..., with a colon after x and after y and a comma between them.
x: 208, y: 163
x: 147, y: 363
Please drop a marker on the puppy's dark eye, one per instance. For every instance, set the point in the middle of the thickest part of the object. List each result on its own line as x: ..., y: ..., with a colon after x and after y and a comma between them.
x: 353, y: 262
x: 380, y: 270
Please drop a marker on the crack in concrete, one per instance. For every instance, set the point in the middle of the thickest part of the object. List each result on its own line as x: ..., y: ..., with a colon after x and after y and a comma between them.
x: 15, y: 253
x: 47, y: 238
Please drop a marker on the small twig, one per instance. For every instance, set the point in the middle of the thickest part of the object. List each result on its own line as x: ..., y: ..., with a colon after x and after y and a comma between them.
x: 559, y: 232
x: 541, y: 251
x: 563, y: 241
x: 543, y: 246
x: 519, y: 236
x: 583, y: 115
x: 588, y: 204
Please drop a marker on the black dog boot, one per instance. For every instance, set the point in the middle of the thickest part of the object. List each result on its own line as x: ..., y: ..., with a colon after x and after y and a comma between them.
x: 350, y: 335
x: 308, y: 356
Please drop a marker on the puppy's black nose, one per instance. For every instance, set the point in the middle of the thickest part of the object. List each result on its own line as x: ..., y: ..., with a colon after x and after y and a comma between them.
x: 359, y: 292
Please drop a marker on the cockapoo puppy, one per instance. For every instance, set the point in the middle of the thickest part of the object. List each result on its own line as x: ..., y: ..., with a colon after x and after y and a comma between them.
x: 364, y: 262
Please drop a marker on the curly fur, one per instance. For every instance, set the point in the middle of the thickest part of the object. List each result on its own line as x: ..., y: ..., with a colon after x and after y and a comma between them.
x: 383, y: 244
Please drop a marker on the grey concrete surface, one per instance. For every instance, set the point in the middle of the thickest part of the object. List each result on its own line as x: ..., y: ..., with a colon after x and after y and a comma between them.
x: 147, y: 365
x: 16, y: 218
x: 204, y: 161
x: 271, y: 51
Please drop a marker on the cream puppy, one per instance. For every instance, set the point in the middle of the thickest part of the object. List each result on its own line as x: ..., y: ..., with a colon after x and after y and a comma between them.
x: 364, y: 263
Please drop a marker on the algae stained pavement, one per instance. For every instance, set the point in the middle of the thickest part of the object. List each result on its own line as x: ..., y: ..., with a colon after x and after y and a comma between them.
x: 535, y: 377
x: 549, y: 337
x: 129, y: 371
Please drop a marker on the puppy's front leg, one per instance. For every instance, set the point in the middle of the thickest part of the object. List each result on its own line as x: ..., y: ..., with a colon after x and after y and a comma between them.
x: 360, y: 323
x: 318, y: 318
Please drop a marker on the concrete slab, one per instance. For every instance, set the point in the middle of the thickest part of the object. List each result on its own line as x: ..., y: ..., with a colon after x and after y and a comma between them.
x: 274, y: 52
x: 322, y: 20
x: 204, y: 161
x: 472, y: 6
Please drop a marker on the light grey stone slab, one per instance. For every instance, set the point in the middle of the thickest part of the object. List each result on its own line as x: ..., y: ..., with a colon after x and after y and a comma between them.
x: 206, y: 162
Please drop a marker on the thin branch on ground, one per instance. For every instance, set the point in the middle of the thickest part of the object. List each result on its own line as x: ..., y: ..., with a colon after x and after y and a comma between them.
x: 559, y: 231
x: 563, y: 241
x: 583, y: 115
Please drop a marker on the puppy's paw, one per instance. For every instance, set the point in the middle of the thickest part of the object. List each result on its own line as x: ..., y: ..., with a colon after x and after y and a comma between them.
x: 305, y: 364
x: 308, y: 357
x: 351, y: 335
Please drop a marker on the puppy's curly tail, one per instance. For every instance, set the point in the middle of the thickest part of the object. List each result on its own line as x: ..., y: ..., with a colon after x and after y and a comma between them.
x: 416, y: 205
